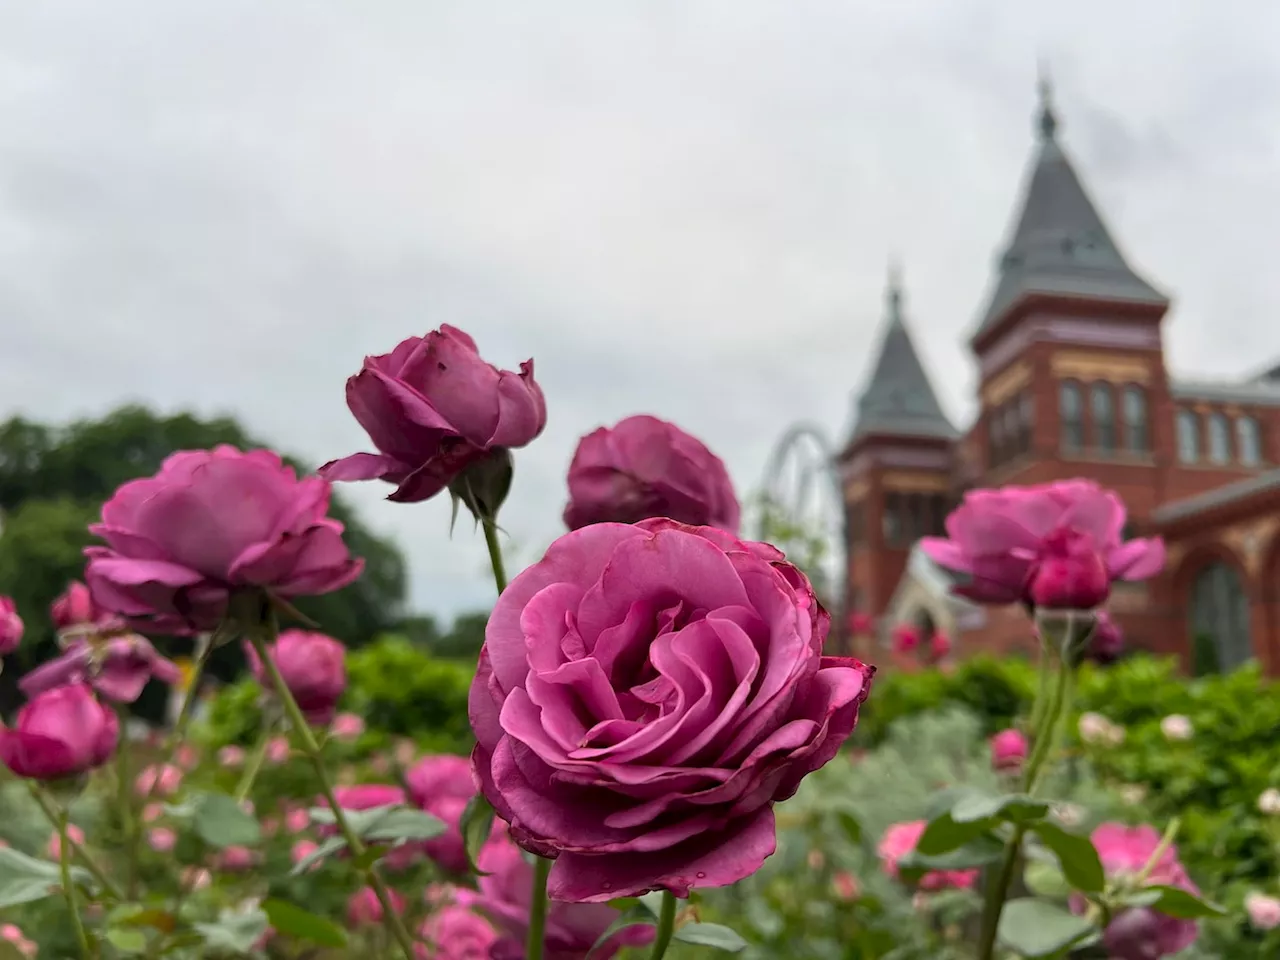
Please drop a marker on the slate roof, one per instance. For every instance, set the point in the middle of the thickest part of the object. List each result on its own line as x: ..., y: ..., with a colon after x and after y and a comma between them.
x: 1221, y: 496
x: 1060, y: 244
x: 899, y: 399
x: 1258, y: 392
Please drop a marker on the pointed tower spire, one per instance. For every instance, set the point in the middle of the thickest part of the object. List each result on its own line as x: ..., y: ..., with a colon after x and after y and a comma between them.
x: 899, y: 399
x: 1060, y: 246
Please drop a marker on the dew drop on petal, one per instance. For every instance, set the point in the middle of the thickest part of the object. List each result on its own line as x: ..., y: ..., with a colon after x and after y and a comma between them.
x: 701, y: 875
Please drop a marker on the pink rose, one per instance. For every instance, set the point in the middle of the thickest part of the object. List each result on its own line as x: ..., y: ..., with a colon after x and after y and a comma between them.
x: 161, y: 839
x: 1263, y: 911
x: 1008, y: 750
x: 55, y: 841
x: 433, y: 407
x: 645, y: 467
x: 235, y: 860
x: 10, y: 626
x: 231, y: 756
x: 901, y: 839
x: 74, y: 607
x: 209, y: 523
x: 455, y: 933
x: 278, y: 750
x: 1057, y: 545
x: 1107, y: 642
x: 939, y: 646
x: 906, y: 638
x: 364, y: 909
x: 644, y: 695
x: 118, y: 669
x: 442, y: 786
x: 60, y: 733
x: 314, y: 669
x: 572, y: 928
x: 295, y: 821
x: 346, y: 726
x: 1140, y: 933
x: 861, y: 624
x: 303, y: 849
x: 160, y: 781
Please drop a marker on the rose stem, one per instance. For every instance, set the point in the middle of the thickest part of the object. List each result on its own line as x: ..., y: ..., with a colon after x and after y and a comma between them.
x: 666, y: 925
x: 254, y: 766
x: 68, y: 890
x: 537, y: 910
x: 495, y: 553
x: 124, y: 797
x: 998, y: 887
x: 55, y: 820
x: 392, y: 920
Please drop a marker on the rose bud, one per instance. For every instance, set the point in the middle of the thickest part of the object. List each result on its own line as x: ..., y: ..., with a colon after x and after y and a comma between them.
x: 74, y: 607
x: 10, y: 626
x: 433, y: 407
x: 60, y: 733
x: 365, y: 909
x: 161, y: 839
x: 211, y: 523
x: 1008, y: 751
x: 313, y: 667
x: 161, y: 781
x: 118, y: 669
x: 1070, y: 575
x: 1263, y: 911
x: 1107, y: 642
x: 346, y: 726
x: 644, y: 467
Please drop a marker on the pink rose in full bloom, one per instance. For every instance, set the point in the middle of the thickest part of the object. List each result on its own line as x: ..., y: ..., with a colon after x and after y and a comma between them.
x: 231, y: 756
x: 644, y: 695
x: 906, y: 638
x: 211, y: 522
x: 160, y: 781
x: 1008, y: 750
x: 455, y: 933
x: 346, y: 726
x: 60, y: 733
x: 645, y: 467
x: 432, y: 408
x: 364, y: 909
x: 1140, y: 933
x: 161, y: 839
x: 55, y: 841
x: 118, y: 668
x: 572, y: 928
x: 11, y: 627
x: 314, y: 668
x: 1055, y: 545
x: 442, y: 786
x: 901, y: 839
x: 1263, y: 911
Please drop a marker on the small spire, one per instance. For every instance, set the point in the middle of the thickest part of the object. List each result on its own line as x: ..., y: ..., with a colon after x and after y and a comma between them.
x: 1047, y: 121
x: 893, y: 290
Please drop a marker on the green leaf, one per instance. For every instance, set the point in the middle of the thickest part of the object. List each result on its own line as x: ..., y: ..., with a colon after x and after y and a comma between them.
x: 711, y: 935
x: 476, y: 825
x: 977, y: 853
x: 327, y: 848
x: 1176, y: 902
x: 403, y: 824
x: 236, y: 931
x: 220, y: 822
x: 1011, y: 807
x: 652, y: 902
x: 944, y: 834
x: 25, y: 879
x: 851, y: 826
x: 1076, y: 854
x: 296, y: 922
x: 637, y: 916
x: 1046, y: 880
x: 127, y: 939
x: 1037, y: 928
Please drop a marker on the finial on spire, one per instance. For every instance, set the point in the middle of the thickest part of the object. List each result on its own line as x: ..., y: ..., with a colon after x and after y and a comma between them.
x: 893, y: 289
x: 1047, y: 121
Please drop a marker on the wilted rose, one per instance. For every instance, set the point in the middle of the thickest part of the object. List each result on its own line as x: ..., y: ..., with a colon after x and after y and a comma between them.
x: 645, y: 467
x: 60, y: 733
x: 432, y: 408
x: 209, y: 523
x: 644, y: 695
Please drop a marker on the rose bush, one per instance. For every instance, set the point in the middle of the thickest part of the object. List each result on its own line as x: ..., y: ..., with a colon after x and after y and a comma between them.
x: 644, y: 695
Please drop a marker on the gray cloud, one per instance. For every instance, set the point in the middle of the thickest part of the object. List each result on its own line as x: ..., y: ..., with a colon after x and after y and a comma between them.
x: 680, y: 208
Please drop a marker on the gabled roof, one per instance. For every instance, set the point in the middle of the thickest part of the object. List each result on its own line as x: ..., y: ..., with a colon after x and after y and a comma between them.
x: 1218, y: 497
x: 1060, y: 245
x: 899, y: 399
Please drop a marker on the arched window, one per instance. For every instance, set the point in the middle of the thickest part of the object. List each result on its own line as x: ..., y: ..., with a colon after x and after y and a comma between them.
x: 1103, y: 405
x: 1220, y: 614
x: 1188, y: 436
x: 1249, y: 441
x: 1135, y: 419
x: 1219, y: 438
x: 891, y: 522
x: 1026, y: 422
x: 1071, y: 415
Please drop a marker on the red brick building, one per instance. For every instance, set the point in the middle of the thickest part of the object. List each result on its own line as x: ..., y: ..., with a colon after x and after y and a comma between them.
x: 1072, y: 382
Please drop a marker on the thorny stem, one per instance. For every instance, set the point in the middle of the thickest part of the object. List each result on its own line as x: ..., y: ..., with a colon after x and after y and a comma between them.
x: 390, y: 917
x: 495, y: 553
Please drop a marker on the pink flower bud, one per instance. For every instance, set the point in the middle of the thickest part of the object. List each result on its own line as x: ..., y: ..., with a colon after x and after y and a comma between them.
x: 235, y: 860
x: 160, y: 781
x: 187, y: 757
x: 11, y: 627
x: 364, y: 908
x: 60, y: 733
x: 313, y: 667
x: 303, y: 849
x: 845, y: 885
x: 152, y: 812
x: 295, y: 821
x: 231, y: 757
x: 1263, y: 911
x: 278, y: 750
x: 161, y: 839
x: 1008, y: 750
x: 346, y: 726
x: 406, y: 752
x: 1071, y: 575
x: 55, y: 841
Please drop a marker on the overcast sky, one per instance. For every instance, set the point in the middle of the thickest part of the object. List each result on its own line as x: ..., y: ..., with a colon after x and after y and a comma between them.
x: 682, y: 208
